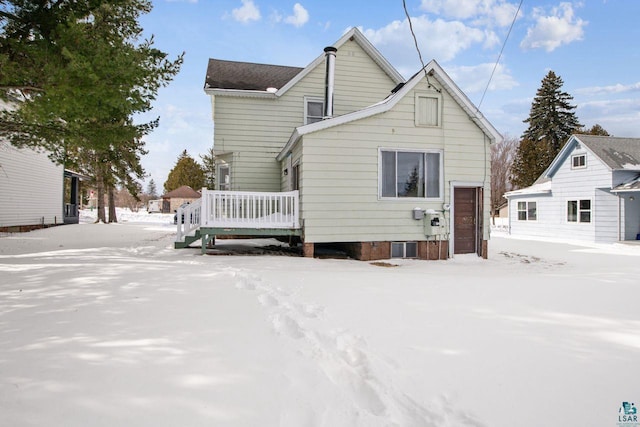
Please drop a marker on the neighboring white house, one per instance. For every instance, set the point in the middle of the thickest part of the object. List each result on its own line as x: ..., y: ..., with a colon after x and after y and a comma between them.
x: 31, y: 189
x: 590, y: 192
x: 383, y: 167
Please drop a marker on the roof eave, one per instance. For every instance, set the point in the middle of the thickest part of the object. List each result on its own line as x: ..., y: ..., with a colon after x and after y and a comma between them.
x: 240, y: 93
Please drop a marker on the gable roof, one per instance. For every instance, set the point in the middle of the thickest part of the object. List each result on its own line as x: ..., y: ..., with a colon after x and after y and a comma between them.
x: 434, y: 70
x: 280, y: 77
x: 614, y: 152
x: 184, y: 192
x: 247, y: 76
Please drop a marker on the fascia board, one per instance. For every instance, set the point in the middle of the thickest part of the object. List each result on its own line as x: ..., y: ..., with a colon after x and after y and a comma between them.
x: 364, y: 44
x: 465, y: 103
x: 240, y: 93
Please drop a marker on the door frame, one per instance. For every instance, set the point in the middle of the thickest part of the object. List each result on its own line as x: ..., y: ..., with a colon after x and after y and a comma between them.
x: 479, y: 187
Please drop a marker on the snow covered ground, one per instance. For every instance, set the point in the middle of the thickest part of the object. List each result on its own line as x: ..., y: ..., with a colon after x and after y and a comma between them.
x: 107, y: 325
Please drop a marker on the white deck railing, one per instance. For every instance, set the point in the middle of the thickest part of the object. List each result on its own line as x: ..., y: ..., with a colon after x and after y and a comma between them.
x: 240, y: 209
x: 245, y: 209
x: 189, y: 219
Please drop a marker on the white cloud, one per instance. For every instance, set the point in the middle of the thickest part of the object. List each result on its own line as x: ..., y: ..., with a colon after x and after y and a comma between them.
x: 247, y: 12
x: 300, y: 16
x: 474, y: 79
x: 607, y: 90
x: 440, y: 40
x: 619, y: 117
x: 555, y: 29
x: 488, y: 12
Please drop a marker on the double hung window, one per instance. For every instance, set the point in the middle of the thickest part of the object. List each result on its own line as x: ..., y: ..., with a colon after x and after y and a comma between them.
x: 313, y: 110
x: 579, y: 161
x: 527, y: 211
x: 579, y: 210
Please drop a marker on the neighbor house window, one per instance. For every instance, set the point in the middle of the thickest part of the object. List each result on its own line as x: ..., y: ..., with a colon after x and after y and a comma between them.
x: 579, y: 161
x: 427, y: 110
x: 527, y: 211
x: 579, y: 210
x: 415, y: 174
x: 404, y: 249
x: 313, y: 110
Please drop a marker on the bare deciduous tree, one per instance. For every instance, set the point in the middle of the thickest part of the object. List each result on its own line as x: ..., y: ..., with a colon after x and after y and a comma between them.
x: 502, y: 156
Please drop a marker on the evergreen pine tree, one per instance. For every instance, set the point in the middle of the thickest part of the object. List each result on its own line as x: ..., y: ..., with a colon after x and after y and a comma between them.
x: 551, y: 121
x: 152, y: 191
x: 595, y: 130
x: 186, y: 172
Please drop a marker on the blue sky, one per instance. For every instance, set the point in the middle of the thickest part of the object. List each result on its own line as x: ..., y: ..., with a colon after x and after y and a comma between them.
x: 591, y: 44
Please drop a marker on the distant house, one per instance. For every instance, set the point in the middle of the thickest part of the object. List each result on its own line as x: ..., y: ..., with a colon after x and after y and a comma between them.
x: 346, y: 152
x: 590, y: 192
x: 172, y: 200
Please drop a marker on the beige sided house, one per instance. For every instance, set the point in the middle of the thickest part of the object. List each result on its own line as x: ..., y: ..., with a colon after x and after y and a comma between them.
x: 346, y: 152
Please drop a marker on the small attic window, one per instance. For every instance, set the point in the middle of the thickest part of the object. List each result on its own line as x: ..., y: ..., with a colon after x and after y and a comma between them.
x: 428, y: 109
x: 579, y: 161
x: 313, y: 110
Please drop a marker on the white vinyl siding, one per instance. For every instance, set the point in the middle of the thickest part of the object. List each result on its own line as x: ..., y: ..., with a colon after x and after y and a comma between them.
x: 31, y: 186
x: 568, y: 183
x: 256, y: 129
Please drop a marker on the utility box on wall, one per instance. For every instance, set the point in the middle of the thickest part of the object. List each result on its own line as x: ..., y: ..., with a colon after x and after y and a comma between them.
x: 433, y: 223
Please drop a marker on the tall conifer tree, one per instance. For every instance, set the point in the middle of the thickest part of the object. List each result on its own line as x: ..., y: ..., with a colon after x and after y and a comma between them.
x: 552, y: 120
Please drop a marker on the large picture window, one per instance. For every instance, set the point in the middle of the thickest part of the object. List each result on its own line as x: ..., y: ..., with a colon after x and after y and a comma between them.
x: 416, y: 174
x: 579, y: 210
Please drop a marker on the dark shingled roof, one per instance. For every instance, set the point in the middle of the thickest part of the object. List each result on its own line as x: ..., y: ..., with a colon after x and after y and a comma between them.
x: 247, y: 76
x: 184, y: 192
x: 617, y: 153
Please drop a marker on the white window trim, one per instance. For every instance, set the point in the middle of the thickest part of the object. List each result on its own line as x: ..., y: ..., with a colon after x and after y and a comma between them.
x: 577, y: 221
x: 435, y: 95
x: 408, y: 150
x: 576, y: 156
x: 308, y: 99
x: 526, y: 210
x: 219, y: 182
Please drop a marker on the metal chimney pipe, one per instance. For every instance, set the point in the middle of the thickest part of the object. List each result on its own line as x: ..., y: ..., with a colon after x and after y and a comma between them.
x: 330, y: 56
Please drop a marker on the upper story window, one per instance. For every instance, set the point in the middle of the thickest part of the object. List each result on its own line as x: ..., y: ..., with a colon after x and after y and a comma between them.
x: 313, y: 110
x: 579, y: 161
x: 416, y: 174
x: 427, y: 109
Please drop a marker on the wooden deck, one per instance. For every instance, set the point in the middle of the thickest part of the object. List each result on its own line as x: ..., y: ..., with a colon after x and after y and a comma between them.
x: 238, y: 213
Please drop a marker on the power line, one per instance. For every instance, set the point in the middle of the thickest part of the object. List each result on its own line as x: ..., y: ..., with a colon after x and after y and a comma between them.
x: 415, y: 41
x: 500, y: 55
